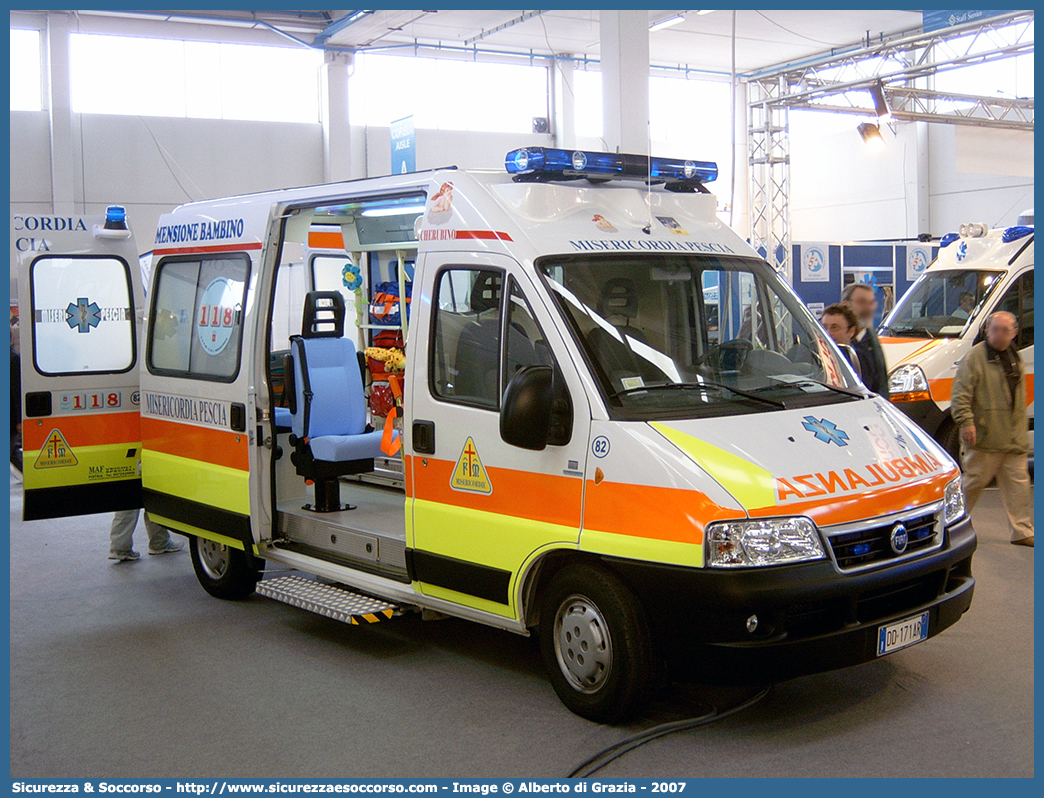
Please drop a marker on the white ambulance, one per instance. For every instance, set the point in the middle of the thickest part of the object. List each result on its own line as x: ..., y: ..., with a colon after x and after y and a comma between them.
x: 943, y: 315
x: 618, y: 428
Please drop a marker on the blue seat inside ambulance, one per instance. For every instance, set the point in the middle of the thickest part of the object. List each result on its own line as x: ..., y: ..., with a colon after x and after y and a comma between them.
x: 329, y: 431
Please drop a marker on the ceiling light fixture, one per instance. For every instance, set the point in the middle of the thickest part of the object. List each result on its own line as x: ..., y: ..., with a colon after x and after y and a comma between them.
x: 871, y: 135
x: 881, y: 108
x: 401, y: 210
x: 704, y: 13
x: 667, y: 22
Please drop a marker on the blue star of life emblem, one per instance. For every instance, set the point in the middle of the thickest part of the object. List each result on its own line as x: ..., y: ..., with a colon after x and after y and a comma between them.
x: 825, y: 431
x: 81, y: 316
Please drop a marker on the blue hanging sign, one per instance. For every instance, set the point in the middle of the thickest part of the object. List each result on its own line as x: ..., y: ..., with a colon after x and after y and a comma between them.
x: 936, y: 19
x: 403, y: 146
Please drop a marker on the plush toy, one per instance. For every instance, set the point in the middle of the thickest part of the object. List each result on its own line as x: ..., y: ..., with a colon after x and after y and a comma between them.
x: 393, y: 359
x: 351, y: 276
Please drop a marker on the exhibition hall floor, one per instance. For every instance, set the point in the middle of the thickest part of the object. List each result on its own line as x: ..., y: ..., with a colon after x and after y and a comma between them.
x: 132, y: 670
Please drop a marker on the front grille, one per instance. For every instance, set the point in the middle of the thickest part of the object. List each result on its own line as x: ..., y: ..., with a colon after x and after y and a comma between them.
x: 815, y: 618
x: 900, y: 598
x: 868, y: 546
x: 829, y: 615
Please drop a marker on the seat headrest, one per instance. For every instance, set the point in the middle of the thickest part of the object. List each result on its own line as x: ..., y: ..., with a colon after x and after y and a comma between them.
x: 619, y: 298
x: 323, y: 315
x: 485, y: 293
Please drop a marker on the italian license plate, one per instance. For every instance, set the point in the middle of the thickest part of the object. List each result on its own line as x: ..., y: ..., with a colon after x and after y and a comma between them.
x: 901, y: 634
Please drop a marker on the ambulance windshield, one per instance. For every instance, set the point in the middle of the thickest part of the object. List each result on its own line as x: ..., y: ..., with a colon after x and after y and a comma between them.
x: 941, y: 303
x: 671, y: 336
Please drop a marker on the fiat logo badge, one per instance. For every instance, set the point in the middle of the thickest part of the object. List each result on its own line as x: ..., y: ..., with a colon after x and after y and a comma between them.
x: 899, y: 539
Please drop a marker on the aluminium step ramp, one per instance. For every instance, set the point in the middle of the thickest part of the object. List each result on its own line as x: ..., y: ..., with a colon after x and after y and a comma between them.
x: 338, y: 603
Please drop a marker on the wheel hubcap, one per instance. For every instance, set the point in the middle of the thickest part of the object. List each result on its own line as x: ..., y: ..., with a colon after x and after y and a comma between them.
x: 214, y: 557
x: 582, y: 644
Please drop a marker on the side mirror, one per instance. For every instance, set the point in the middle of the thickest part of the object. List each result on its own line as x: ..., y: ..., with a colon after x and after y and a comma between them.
x: 525, y: 413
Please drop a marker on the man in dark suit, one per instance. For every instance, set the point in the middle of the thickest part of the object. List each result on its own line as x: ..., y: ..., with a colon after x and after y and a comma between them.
x: 862, y: 299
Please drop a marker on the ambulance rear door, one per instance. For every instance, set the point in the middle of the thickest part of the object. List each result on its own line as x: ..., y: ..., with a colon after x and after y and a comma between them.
x: 79, y: 309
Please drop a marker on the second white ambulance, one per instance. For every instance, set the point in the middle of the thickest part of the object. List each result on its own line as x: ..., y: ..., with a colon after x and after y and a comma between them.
x: 942, y: 316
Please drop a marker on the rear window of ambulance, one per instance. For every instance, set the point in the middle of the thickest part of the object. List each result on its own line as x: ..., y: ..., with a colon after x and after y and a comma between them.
x: 196, y: 323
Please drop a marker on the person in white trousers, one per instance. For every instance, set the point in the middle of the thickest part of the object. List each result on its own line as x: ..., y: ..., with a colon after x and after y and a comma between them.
x: 122, y: 532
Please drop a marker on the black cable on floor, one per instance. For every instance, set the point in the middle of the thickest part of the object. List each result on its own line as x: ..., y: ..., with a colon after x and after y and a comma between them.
x: 595, y: 763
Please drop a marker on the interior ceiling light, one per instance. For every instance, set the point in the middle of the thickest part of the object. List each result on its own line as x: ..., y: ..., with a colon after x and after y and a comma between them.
x: 871, y: 135
x: 402, y: 210
x: 877, y: 94
x: 667, y: 22
x: 704, y: 13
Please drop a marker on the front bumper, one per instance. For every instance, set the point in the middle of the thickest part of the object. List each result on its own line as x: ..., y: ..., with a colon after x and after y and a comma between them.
x: 811, y: 618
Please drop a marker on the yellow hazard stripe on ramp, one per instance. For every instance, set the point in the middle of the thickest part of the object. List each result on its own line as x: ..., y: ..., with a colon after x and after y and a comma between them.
x: 373, y: 617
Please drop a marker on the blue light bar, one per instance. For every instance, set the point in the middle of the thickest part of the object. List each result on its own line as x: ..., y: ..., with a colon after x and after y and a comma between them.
x: 115, y: 218
x: 948, y: 239
x: 1015, y: 233
x: 543, y: 163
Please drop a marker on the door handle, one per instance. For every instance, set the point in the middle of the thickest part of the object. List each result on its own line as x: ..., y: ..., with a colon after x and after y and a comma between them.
x: 424, y: 437
x: 37, y: 404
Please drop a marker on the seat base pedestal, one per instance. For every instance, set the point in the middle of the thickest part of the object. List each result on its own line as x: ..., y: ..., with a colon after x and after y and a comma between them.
x: 312, y: 509
x: 327, y: 497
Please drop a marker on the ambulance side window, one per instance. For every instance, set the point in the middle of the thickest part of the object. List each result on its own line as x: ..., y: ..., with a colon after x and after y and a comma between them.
x: 525, y: 343
x: 466, y: 337
x: 1019, y: 301
x: 196, y: 324
x: 82, y: 315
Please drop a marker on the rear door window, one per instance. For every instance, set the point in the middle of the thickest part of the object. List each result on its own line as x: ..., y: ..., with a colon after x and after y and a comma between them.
x: 82, y: 315
x: 196, y: 325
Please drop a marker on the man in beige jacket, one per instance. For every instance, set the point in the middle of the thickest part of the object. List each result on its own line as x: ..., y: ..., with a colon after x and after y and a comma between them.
x: 989, y: 408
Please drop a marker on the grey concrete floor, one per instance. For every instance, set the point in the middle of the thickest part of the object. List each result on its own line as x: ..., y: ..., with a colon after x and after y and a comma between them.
x: 131, y: 670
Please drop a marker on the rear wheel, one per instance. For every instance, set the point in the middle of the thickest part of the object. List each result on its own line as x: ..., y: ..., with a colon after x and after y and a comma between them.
x: 597, y: 647
x: 223, y: 572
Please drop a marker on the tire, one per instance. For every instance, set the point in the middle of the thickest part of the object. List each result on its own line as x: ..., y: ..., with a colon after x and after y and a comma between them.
x: 950, y: 440
x: 223, y: 572
x: 605, y: 668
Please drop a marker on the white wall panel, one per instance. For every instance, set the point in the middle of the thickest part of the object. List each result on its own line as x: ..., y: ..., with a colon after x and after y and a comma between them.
x: 30, y: 158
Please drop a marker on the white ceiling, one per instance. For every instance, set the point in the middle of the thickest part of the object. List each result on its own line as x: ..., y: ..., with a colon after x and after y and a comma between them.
x: 763, y: 38
x: 701, y: 41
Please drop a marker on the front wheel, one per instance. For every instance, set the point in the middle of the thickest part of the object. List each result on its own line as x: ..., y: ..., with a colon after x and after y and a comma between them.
x: 597, y: 646
x: 223, y: 572
x: 950, y: 440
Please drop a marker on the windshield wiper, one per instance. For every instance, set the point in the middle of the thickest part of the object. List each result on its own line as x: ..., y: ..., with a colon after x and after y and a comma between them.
x: 700, y: 386
x: 924, y: 331
x: 810, y: 381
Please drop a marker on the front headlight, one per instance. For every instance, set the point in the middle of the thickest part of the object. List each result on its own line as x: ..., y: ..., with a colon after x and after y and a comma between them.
x: 953, y: 504
x: 769, y: 541
x: 907, y: 379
